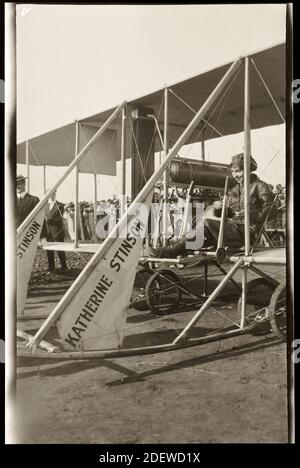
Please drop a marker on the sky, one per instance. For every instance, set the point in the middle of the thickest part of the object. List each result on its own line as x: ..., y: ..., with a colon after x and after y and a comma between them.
x: 76, y: 60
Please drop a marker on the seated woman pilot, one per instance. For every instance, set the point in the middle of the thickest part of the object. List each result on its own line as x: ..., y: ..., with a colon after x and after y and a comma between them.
x: 260, y: 200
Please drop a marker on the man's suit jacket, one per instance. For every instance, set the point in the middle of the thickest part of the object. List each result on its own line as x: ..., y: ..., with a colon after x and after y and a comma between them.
x: 25, y: 206
x: 53, y: 228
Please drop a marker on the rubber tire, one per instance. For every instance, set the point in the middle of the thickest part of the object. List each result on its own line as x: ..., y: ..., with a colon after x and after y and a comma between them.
x: 260, y: 327
x: 278, y: 296
x: 141, y: 278
x: 148, y: 292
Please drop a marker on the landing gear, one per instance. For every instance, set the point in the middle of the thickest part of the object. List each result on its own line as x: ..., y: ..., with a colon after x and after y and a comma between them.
x: 277, y: 312
x: 138, y: 300
x: 162, y: 292
x: 259, y: 293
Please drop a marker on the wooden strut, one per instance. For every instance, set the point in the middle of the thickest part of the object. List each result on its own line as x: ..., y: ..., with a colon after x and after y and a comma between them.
x: 159, y: 134
x: 28, y: 165
x: 69, y: 169
x: 44, y: 179
x: 205, y: 280
x: 246, y: 182
x: 208, y: 302
x: 155, y: 238
x: 95, y: 206
x: 223, y: 216
x: 146, y: 190
x: 77, y: 209
x: 43, y: 344
x: 203, y: 146
x: 123, y: 164
x: 261, y: 260
x: 165, y: 181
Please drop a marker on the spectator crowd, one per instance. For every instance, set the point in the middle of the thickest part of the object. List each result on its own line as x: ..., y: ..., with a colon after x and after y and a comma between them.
x: 109, y: 210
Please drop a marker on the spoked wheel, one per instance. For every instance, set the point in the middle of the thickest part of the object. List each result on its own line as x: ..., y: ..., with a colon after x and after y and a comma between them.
x: 138, y: 300
x: 277, y: 311
x: 162, y: 292
x: 259, y: 293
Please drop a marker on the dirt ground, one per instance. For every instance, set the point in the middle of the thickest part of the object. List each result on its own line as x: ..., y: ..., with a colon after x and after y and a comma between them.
x: 233, y: 390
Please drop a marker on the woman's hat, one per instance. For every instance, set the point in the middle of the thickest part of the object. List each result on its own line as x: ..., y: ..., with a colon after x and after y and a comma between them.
x: 238, y: 159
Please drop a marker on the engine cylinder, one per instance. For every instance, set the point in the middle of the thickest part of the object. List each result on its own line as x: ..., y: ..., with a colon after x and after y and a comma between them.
x: 205, y: 174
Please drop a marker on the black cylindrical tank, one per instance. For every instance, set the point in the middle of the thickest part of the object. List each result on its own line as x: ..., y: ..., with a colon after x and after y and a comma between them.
x: 202, y: 173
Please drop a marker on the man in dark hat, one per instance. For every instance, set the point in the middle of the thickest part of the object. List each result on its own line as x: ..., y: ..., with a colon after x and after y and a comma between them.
x: 53, y: 230
x: 260, y: 205
x: 25, y: 202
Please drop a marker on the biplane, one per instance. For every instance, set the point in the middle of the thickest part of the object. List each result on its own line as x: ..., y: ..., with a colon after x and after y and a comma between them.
x: 91, y: 317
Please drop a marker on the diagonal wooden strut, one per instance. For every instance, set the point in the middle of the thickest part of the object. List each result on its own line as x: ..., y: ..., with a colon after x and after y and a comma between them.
x: 69, y: 169
x: 209, y: 301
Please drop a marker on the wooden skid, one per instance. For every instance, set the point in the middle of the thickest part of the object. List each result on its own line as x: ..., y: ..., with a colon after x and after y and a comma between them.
x: 81, y: 355
x: 31, y: 317
x: 43, y: 344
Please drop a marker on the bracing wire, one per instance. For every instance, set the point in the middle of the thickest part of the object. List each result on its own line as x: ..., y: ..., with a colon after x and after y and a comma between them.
x: 143, y: 167
x: 49, y: 168
x: 271, y: 160
x: 207, y: 121
x: 268, y: 91
x: 165, y: 318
